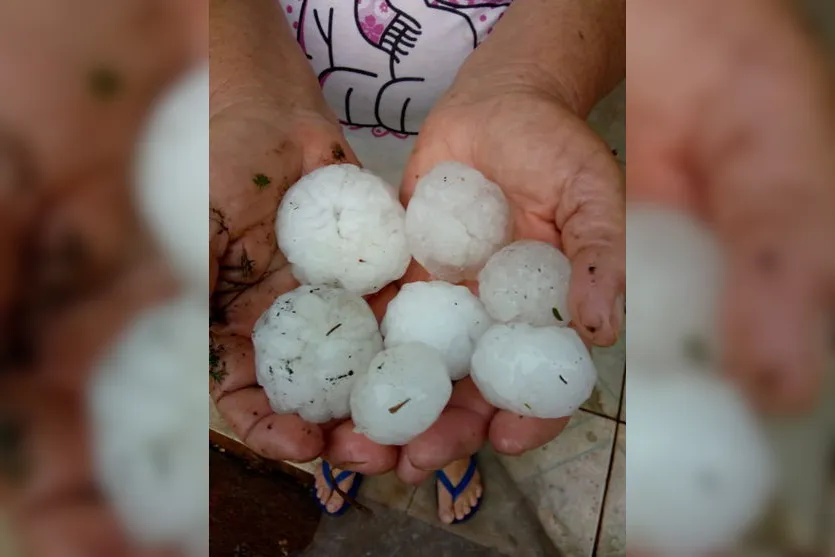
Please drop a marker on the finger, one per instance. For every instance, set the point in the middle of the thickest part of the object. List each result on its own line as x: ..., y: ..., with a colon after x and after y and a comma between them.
x: 349, y: 450
x: 773, y: 207
x: 458, y: 433
x: 274, y: 436
x: 245, y: 407
x: 775, y: 320
x: 410, y: 475
x: 514, y: 435
x: 592, y: 220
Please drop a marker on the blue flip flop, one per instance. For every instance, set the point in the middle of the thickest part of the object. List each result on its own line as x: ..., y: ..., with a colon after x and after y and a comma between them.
x: 457, y: 490
x: 341, y: 477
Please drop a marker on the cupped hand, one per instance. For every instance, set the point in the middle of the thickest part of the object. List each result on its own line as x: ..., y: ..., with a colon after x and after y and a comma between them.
x: 564, y: 187
x: 734, y: 122
x: 257, y: 152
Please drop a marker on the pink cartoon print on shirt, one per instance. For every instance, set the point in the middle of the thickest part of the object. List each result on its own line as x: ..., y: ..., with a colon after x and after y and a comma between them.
x: 382, y: 64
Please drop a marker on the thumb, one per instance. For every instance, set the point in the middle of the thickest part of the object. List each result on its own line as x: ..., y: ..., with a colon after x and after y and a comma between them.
x: 591, y: 217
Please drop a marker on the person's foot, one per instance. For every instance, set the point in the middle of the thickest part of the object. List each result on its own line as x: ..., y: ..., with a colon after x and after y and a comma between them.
x: 448, y: 511
x: 332, y: 500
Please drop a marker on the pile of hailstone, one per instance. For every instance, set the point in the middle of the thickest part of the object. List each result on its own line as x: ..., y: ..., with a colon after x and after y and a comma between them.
x: 701, y: 473
x: 320, y: 353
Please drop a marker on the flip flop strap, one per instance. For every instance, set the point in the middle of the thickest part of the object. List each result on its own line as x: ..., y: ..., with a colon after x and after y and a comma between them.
x: 341, y: 477
x: 456, y: 490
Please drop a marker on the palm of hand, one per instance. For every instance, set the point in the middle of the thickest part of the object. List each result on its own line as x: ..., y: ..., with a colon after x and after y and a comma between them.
x: 564, y: 187
x: 256, y: 154
x: 562, y: 184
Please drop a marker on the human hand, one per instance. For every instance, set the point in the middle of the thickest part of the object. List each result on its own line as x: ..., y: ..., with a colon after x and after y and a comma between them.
x: 76, y: 262
x: 257, y: 152
x: 730, y: 117
x: 564, y: 187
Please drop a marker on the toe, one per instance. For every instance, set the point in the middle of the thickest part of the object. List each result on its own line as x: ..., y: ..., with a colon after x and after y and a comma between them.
x: 461, y: 510
x: 474, y: 498
x: 334, y: 503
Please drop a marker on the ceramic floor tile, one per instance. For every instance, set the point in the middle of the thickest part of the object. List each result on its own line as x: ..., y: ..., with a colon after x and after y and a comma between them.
x: 388, y: 491
x: 612, y: 538
x: 608, y: 119
x: 568, y: 495
x: 610, y: 363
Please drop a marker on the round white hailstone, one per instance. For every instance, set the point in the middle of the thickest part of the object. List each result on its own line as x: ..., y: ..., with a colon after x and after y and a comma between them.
x: 149, y: 412
x: 403, y: 393
x: 311, y: 345
x: 455, y: 221
x: 172, y: 176
x: 343, y: 226
x: 544, y: 372
x: 444, y: 316
x: 527, y: 282
x: 674, y: 271
x: 700, y: 472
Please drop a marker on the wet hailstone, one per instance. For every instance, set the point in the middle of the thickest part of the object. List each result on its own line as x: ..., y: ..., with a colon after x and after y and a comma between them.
x: 544, y: 372
x: 311, y: 346
x: 403, y: 393
x: 701, y: 472
x: 444, y: 316
x: 455, y: 221
x: 674, y: 270
x: 527, y: 282
x: 147, y: 402
x: 343, y: 226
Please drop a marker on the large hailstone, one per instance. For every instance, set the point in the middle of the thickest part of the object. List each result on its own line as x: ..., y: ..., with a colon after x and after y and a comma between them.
x: 343, y: 226
x: 172, y: 177
x: 527, y: 282
x: 444, y: 316
x: 698, y: 471
x: 544, y: 372
x: 149, y: 412
x: 311, y: 345
x: 455, y: 221
x: 674, y: 270
x: 403, y: 393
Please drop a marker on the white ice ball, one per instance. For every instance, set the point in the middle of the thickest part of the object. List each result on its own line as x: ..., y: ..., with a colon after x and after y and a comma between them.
x: 343, y: 226
x: 698, y: 470
x: 311, y: 346
x: 544, y: 372
x: 527, y: 282
x: 172, y: 176
x: 402, y: 395
x: 149, y: 413
x: 674, y: 270
x: 455, y: 221
x: 444, y: 316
